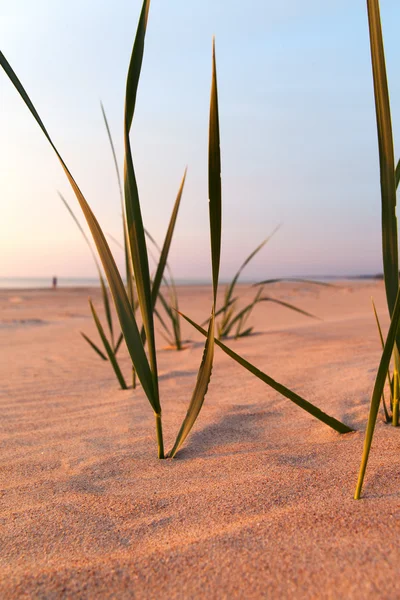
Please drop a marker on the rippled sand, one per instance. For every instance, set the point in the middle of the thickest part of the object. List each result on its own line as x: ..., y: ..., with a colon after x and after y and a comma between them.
x: 257, y: 504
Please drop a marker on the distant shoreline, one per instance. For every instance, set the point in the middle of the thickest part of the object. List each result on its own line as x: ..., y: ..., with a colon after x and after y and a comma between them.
x: 43, y: 283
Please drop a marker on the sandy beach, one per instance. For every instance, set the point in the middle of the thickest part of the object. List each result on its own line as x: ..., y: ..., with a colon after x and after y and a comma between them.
x: 259, y: 501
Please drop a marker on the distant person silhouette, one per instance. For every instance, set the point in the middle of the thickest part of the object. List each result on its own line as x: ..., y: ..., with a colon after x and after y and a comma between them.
x: 54, y: 282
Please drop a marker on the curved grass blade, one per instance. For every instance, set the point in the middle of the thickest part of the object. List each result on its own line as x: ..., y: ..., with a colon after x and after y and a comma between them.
x: 215, y: 212
x: 290, y: 306
x: 214, y: 180
x: 245, y: 333
x: 245, y: 312
x: 158, y: 277
x: 106, y: 301
x: 231, y: 287
x: 397, y: 174
x: 172, y: 312
x: 377, y: 392
x: 301, y: 402
x: 122, y: 305
x: 386, y: 156
x: 136, y: 236
x: 387, y: 417
x: 164, y: 325
x: 220, y: 310
x: 93, y: 346
x: 103, y: 112
x: 128, y: 262
x: 228, y: 324
x: 162, y: 262
x: 109, y: 350
x: 200, y: 390
x: 107, y: 309
x: 118, y: 344
x: 296, y: 279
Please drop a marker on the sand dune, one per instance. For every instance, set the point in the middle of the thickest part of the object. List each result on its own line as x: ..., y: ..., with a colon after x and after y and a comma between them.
x: 257, y: 504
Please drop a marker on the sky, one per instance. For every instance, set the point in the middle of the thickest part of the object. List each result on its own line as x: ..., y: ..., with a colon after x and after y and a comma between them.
x: 298, y: 131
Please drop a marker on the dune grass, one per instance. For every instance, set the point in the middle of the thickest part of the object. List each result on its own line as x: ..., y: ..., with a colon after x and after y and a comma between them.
x: 233, y: 320
x: 145, y: 364
x: 110, y: 346
x: 389, y: 178
x: 141, y: 344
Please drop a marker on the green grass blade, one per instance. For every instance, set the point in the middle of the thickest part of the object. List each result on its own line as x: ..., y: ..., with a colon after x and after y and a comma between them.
x: 79, y: 226
x: 136, y: 235
x: 387, y: 417
x: 231, y: 287
x: 245, y: 333
x: 107, y: 308
x: 176, y: 325
x: 295, y: 279
x: 215, y: 212
x: 290, y: 306
x: 284, y: 391
x: 118, y: 344
x: 108, y: 348
x: 377, y: 392
x: 214, y: 180
x: 106, y: 302
x: 128, y: 262
x: 163, y: 259
x: 397, y: 174
x: 158, y: 277
x: 240, y: 317
x: 386, y: 156
x: 93, y: 346
x: 122, y: 305
x: 203, y: 380
x: 103, y: 112
x: 220, y: 310
x: 239, y: 327
x: 164, y: 326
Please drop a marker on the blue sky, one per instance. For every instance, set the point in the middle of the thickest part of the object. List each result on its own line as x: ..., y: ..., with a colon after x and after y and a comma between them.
x: 298, y: 132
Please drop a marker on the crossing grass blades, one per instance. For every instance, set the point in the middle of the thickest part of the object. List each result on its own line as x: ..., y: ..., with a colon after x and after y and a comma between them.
x: 145, y: 364
x: 233, y: 321
x: 389, y: 177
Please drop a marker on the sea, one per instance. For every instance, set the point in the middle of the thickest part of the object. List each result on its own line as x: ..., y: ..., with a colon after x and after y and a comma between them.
x: 71, y: 282
x: 46, y: 282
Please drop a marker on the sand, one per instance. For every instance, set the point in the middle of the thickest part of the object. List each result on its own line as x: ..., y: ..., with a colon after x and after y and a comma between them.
x: 257, y: 504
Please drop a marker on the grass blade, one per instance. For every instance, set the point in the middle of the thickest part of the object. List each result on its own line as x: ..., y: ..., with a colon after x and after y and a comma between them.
x: 245, y: 333
x: 162, y: 262
x: 203, y: 380
x: 397, y: 174
x: 215, y: 212
x: 118, y: 344
x: 231, y: 287
x: 93, y: 345
x: 136, y: 235
x: 290, y: 306
x: 109, y: 350
x: 386, y: 156
x: 387, y: 417
x: 284, y: 391
x: 377, y: 392
x: 106, y: 302
x: 296, y: 279
x: 214, y: 180
x: 122, y: 305
x: 220, y: 310
x: 128, y: 262
x: 158, y: 277
x: 107, y: 308
x: 228, y: 323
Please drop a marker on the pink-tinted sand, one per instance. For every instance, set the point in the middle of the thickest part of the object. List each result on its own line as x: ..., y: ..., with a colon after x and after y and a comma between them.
x: 259, y: 501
